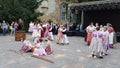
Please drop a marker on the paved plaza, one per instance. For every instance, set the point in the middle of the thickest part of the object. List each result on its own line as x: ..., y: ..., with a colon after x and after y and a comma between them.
x: 75, y: 55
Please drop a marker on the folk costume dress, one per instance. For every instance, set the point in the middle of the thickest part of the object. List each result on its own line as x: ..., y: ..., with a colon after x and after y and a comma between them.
x: 94, y: 42
x: 46, y: 34
x: 39, y: 50
x: 35, y: 32
x: 51, y: 33
x: 31, y: 27
x: 89, y: 33
x: 60, y: 35
x: 100, y: 43
x: 65, y: 40
x: 26, y: 46
x: 111, y: 35
x: 48, y: 48
x: 105, y: 41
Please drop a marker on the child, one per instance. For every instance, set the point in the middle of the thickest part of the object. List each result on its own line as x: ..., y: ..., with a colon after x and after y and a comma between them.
x: 65, y: 40
x: 105, y: 41
x: 36, y: 40
x: 48, y: 49
x: 26, y: 46
x: 39, y: 50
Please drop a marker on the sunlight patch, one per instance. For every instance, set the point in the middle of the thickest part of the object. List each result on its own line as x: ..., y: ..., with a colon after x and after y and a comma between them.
x: 78, y: 50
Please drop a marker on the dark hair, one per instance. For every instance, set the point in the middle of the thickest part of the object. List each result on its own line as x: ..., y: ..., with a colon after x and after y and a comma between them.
x: 97, y: 28
x: 40, y: 40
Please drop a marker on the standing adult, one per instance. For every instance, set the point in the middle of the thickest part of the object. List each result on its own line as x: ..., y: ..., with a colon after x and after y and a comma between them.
x: 16, y: 26
x: 111, y: 35
x: 12, y: 28
x: 4, y: 28
x: 31, y: 27
x: 89, y: 31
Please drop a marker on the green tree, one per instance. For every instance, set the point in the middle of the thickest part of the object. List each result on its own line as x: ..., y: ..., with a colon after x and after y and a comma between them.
x: 12, y: 10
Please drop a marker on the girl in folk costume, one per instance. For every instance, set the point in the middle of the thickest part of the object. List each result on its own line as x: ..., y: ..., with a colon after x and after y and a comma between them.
x: 111, y: 35
x: 40, y: 30
x: 89, y: 31
x: 65, y: 40
x: 101, y: 28
x: 27, y: 46
x: 48, y: 48
x: 40, y: 49
x: 105, y: 41
x: 96, y: 25
x: 36, y: 40
x: 31, y: 27
x: 100, y: 43
x: 46, y: 34
x: 35, y: 31
x: 60, y: 36
x: 51, y: 33
x: 94, y: 42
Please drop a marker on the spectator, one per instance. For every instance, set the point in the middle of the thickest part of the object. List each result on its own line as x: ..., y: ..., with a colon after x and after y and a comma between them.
x: 4, y: 28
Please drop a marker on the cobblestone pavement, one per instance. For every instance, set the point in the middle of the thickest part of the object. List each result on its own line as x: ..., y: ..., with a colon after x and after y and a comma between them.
x: 75, y: 55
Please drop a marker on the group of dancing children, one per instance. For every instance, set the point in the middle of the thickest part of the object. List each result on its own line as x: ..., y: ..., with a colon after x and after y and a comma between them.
x: 100, y: 38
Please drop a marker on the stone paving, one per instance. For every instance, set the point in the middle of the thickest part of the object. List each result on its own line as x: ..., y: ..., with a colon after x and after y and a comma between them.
x: 75, y: 55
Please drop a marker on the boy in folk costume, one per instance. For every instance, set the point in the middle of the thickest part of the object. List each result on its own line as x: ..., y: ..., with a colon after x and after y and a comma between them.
x: 105, y: 41
x: 40, y: 49
x: 48, y: 48
x: 89, y: 31
x: 65, y: 40
x: 51, y: 33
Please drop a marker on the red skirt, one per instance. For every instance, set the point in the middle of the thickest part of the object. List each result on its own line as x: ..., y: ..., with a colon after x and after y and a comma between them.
x: 89, y: 37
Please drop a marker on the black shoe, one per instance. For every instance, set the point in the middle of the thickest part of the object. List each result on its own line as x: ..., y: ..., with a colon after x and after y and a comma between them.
x: 62, y: 43
x: 67, y: 43
x: 58, y: 43
x: 100, y: 57
x: 93, y: 55
x: 106, y: 54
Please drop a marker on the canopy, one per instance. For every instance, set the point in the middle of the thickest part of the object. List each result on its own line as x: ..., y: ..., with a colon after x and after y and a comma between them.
x: 96, y: 5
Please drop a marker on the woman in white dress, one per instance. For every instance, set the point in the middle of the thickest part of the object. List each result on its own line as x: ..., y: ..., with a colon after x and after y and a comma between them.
x: 31, y: 27
x: 111, y: 35
x: 35, y: 31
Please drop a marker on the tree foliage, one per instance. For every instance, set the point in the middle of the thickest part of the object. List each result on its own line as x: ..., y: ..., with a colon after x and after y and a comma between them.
x: 12, y: 10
